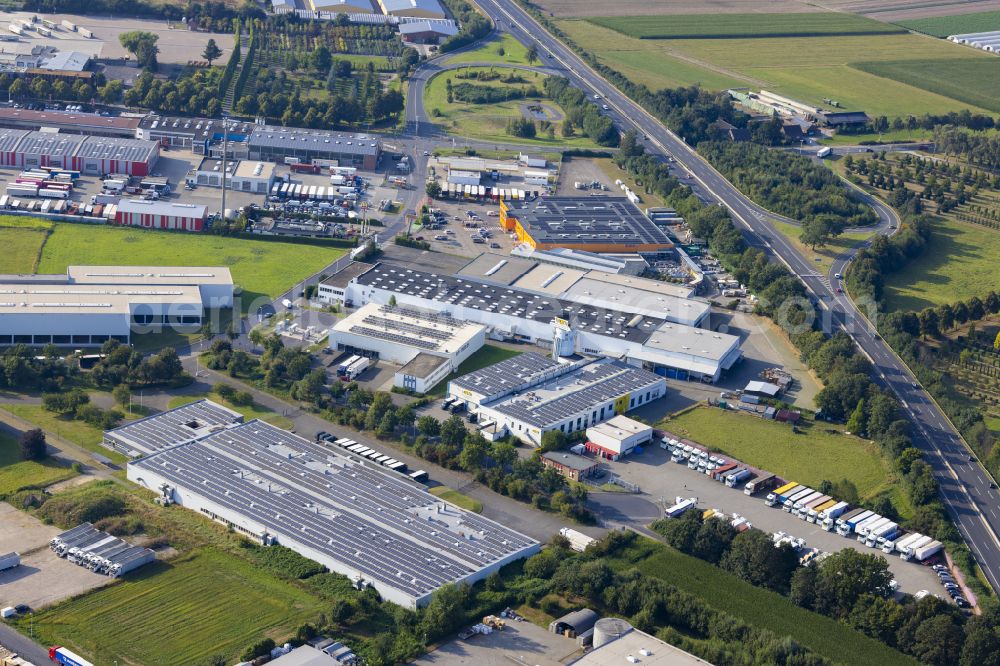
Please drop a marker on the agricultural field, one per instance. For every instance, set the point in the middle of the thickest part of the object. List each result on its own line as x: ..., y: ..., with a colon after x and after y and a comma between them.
x: 198, y: 604
x: 261, y: 268
x: 587, y: 8
x: 16, y: 474
x: 943, y: 26
x: 975, y: 81
x: 728, y: 26
x: 807, y: 69
x: 487, y: 355
x: 816, y: 453
x: 961, y: 259
x: 488, y: 121
x: 756, y: 606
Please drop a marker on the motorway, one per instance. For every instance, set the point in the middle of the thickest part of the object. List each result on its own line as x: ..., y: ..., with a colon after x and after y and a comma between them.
x: 966, y: 487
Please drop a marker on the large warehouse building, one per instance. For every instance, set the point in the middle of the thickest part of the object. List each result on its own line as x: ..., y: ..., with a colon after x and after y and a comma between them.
x: 92, y: 155
x: 165, y: 429
x: 399, y: 335
x: 364, y: 522
x: 274, y: 144
x: 531, y: 394
x: 618, y: 316
x: 92, y: 304
x: 161, y: 215
x: 593, y: 224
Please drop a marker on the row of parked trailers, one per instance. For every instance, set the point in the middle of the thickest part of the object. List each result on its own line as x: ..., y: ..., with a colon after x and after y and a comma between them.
x: 43, y: 182
x: 868, y: 527
x: 371, y: 454
x: 460, y: 191
x: 99, y: 551
x: 312, y: 192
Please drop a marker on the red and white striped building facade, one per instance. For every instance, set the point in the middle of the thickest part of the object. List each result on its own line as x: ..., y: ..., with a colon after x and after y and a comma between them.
x: 160, y: 215
x: 92, y: 155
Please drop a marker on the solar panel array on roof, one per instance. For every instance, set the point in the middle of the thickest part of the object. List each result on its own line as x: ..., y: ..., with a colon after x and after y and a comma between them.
x: 52, y: 145
x: 168, y: 428
x: 475, y: 294
x: 309, y: 495
x: 576, y: 392
x: 588, y: 220
x: 511, y: 372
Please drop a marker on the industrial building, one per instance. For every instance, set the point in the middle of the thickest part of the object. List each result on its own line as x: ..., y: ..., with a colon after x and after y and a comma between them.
x: 70, y: 122
x: 341, y: 6
x: 90, y: 305
x: 531, y: 394
x: 161, y: 215
x: 615, y: 641
x: 199, y: 135
x: 252, y: 176
x: 429, y: 9
x: 94, y: 155
x: 369, y: 524
x: 617, y: 437
x: 594, y: 224
x: 427, y: 31
x: 645, y: 322
x: 570, y: 465
x: 174, y: 426
x: 401, y: 334
x: 274, y: 144
x: 332, y: 290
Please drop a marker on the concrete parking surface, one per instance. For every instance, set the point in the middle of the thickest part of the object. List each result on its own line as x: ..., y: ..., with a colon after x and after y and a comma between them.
x: 663, y: 481
x: 520, y: 643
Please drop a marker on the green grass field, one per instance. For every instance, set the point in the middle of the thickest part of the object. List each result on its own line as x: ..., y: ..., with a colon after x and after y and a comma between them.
x: 960, y: 262
x: 249, y: 412
x: 808, y: 69
x: 22, y: 249
x: 514, y: 52
x: 757, y: 606
x: 726, y: 26
x: 488, y: 355
x: 457, y: 498
x: 82, y: 434
x: 16, y: 474
x: 943, y: 26
x: 488, y: 122
x: 809, y: 457
x: 261, y: 268
x: 822, y: 257
x: 203, y: 604
x: 975, y: 81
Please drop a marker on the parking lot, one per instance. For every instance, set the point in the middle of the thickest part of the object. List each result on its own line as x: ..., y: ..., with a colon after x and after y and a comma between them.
x: 662, y: 481
x: 464, y: 234
x: 43, y: 578
x: 177, y: 44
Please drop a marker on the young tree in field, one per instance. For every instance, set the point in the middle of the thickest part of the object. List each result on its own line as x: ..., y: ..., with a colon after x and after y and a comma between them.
x: 33, y: 445
x: 142, y: 45
x: 122, y: 394
x: 211, y: 52
x: 532, y: 54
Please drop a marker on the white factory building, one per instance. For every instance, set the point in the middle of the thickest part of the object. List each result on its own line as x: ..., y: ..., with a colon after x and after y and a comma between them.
x: 92, y: 304
x: 358, y: 519
x: 529, y: 395
x: 428, y: 345
x: 643, y: 322
x: 617, y: 437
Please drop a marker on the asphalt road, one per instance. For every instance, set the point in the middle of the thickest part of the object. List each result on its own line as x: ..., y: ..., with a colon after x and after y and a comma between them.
x: 965, y: 486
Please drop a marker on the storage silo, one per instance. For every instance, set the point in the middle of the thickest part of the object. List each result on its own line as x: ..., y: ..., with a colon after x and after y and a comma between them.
x: 608, y: 629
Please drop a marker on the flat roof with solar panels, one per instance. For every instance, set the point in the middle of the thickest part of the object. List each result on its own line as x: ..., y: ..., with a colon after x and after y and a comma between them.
x: 181, y: 424
x: 507, y: 376
x: 351, y: 516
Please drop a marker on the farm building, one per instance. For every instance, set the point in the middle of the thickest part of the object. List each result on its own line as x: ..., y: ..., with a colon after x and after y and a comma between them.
x: 400, y: 334
x: 429, y: 9
x: 160, y: 215
x: 617, y: 437
x: 569, y: 465
x: 92, y: 304
x: 843, y: 118
x: 531, y: 396
x: 594, y: 224
x: 359, y: 520
x: 274, y: 144
x: 520, y: 300
x: 101, y: 155
x: 427, y: 31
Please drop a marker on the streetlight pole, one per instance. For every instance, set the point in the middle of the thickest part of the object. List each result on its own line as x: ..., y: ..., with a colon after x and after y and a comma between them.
x: 225, y: 152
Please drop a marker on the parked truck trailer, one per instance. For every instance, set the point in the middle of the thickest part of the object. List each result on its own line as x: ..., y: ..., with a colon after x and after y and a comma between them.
x: 734, y: 479
x: 765, y: 481
x: 9, y: 560
x: 845, y: 526
x: 929, y: 550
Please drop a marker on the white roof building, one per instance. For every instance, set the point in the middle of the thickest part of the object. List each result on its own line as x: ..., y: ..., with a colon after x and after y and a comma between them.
x: 618, y: 436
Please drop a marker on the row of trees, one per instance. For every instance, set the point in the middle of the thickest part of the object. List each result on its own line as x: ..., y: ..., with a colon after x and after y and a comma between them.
x: 581, y: 114
x: 473, y: 25
x: 979, y: 148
